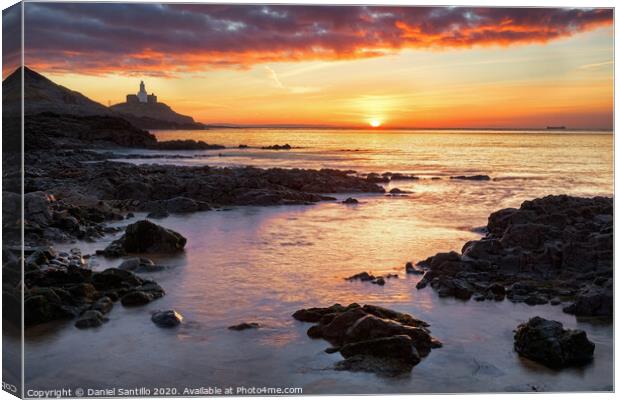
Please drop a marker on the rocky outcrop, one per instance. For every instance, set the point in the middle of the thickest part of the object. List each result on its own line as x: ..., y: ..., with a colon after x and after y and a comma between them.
x: 145, y: 237
x: 187, y: 144
x: 370, y: 338
x: 67, y: 131
x: 550, y: 344
x: 61, y: 286
x: 48, y: 219
x: 557, y: 248
x: 277, y: 147
x: 140, y: 187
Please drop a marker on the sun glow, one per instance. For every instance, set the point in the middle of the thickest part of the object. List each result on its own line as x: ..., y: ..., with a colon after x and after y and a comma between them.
x: 375, y: 123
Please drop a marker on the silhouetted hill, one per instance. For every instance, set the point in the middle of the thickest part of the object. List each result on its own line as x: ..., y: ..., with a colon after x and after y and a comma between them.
x: 43, y: 95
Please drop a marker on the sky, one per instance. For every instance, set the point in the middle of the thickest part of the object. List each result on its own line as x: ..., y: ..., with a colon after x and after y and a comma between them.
x: 419, y: 67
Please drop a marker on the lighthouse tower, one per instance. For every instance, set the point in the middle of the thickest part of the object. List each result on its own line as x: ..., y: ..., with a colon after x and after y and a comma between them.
x: 142, y: 95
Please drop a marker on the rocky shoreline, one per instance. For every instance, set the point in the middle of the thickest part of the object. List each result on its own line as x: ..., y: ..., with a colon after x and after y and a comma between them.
x: 556, y: 249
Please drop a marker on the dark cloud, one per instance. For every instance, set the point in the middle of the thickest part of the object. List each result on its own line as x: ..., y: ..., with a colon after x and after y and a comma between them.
x: 164, y: 39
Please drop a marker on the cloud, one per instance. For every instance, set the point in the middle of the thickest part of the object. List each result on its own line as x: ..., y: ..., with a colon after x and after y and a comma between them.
x: 166, y: 39
x: 275, y: 81
x: 596, y: 65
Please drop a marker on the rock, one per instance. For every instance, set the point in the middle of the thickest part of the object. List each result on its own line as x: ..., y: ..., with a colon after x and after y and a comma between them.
x: 403, y: 177
x: 187, y: 144
x: 399, y: 317
x: 244, y: 326
x: 472, y: 177
x: 146, y: 237
x: 530, y: 254
x: 362, y: 276
x: 593, y: 301
x: 104, y: 305
x: 315, y: 332
x: 157, y: 215
x: 175, y: 205
x: 90, y: 319
x: 136, y: 298
x: 549, y: 343
x: 398, y: 347
x: 43, y: 306
x: 316, y: 313
x: 397, y: 191
x: 350, y: 200
x: 379, y: 281
x: 337, y: 328
x: 277, y: 147
x: 410, y: 269
x: 371, y: 327
x: 371, y: 338
x: 140, y: 265
x: 167, y: 318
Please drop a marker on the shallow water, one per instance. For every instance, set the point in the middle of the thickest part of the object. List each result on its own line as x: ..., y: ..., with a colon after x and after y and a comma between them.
x: 262, y: 264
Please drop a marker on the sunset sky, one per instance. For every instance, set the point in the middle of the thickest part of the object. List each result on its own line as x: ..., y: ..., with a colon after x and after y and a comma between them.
x: 346, y: 66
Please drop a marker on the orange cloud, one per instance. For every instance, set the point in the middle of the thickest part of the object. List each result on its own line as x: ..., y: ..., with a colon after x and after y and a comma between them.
x: 165, y: 39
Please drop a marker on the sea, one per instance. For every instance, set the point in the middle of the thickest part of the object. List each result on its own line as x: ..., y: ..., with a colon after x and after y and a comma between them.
x: 261, y: 264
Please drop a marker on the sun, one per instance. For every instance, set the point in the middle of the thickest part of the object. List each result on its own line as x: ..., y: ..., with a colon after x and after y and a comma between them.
x: 375, y: 123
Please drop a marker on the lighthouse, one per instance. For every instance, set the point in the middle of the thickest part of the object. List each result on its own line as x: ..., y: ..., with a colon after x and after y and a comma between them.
x: 142, y: 95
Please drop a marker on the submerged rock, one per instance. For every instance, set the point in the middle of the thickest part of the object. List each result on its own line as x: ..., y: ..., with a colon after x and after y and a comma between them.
x: 549, y: 343
x: 244, y: 326
x: 371, y: 338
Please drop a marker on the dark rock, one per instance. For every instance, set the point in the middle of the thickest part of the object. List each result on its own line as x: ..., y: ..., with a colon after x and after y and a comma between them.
x: 411, y: 269
x: 362, y: 276
x: 157, y: 215
x: 472, y: 177
x: 167, y: 318
x: 316, y: 313
x: 549, y: 343
x: 244, y: 325
x: 373, y: 338
x: 146, y: 237
x: 350, y: 200
x: 392, y: 347
x: 140, y: 265
x: 593, y: 301
x: 187, y: 144
x: 529, y: 254
x: 315, y: 332
x: 136, y: 298
x: 379, y: 281
x: 104, y: 305
x: 90, y: 319
x: 277, y: 147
